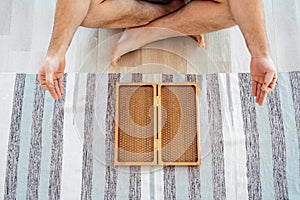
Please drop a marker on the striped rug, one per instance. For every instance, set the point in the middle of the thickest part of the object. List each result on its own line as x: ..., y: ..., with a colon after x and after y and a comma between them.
x: 64, y: 149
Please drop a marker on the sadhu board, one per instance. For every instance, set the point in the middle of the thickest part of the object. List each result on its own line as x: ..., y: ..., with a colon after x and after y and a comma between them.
x: 157, y: 124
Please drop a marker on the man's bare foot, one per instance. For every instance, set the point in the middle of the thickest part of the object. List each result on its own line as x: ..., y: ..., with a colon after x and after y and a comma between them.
x: 135, y: 38
x: 128, y: 42
x: 200, y: 40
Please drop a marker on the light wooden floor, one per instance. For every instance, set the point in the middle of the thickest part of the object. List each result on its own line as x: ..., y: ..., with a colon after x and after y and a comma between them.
x: 25, y: 29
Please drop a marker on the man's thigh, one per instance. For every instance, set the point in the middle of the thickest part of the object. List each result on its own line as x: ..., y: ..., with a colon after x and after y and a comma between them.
x: 126, y: 13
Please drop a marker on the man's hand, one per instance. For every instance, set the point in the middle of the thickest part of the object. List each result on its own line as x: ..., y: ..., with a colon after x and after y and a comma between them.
x: 264, y: 77
x: 50, y: 76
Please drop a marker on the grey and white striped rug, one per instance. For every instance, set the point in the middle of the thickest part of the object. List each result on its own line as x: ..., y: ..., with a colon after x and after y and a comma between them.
x: 64, y: 149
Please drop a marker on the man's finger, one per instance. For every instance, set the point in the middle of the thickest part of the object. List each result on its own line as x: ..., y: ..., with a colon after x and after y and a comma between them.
x: 57, y: 90
x: 254, y: 88
x: 49, y: 79
x: 262, y: 97
x: 258, y: 92
x: 50, y: 85
x: 272, y: 86
x: 42, y: 80
x: 273, y: 82
x: 268, y: 77
x: 61, y: 86
x: 270, y: 80
x: 44, y: 86
x: 52, y: 91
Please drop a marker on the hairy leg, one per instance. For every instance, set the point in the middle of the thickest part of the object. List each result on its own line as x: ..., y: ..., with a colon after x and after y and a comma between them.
x: 126, y: 13
x: 198, y: 17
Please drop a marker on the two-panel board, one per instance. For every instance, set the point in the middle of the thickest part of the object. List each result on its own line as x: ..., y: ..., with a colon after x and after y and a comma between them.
x: 157, y: 124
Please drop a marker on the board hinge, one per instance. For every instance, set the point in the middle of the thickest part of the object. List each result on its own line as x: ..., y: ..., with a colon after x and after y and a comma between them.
x: 157, y: 100
x: 157, y: 144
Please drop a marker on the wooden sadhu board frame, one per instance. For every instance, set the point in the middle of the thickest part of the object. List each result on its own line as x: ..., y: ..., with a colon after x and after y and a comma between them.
x: 157, y: 124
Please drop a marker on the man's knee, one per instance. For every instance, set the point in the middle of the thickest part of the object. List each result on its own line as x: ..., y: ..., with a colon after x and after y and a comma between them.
x: 92, y: 18
x: 88, y: 21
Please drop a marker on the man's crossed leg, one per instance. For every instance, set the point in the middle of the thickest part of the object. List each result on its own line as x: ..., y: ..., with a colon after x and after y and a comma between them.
x: 151, y: 22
